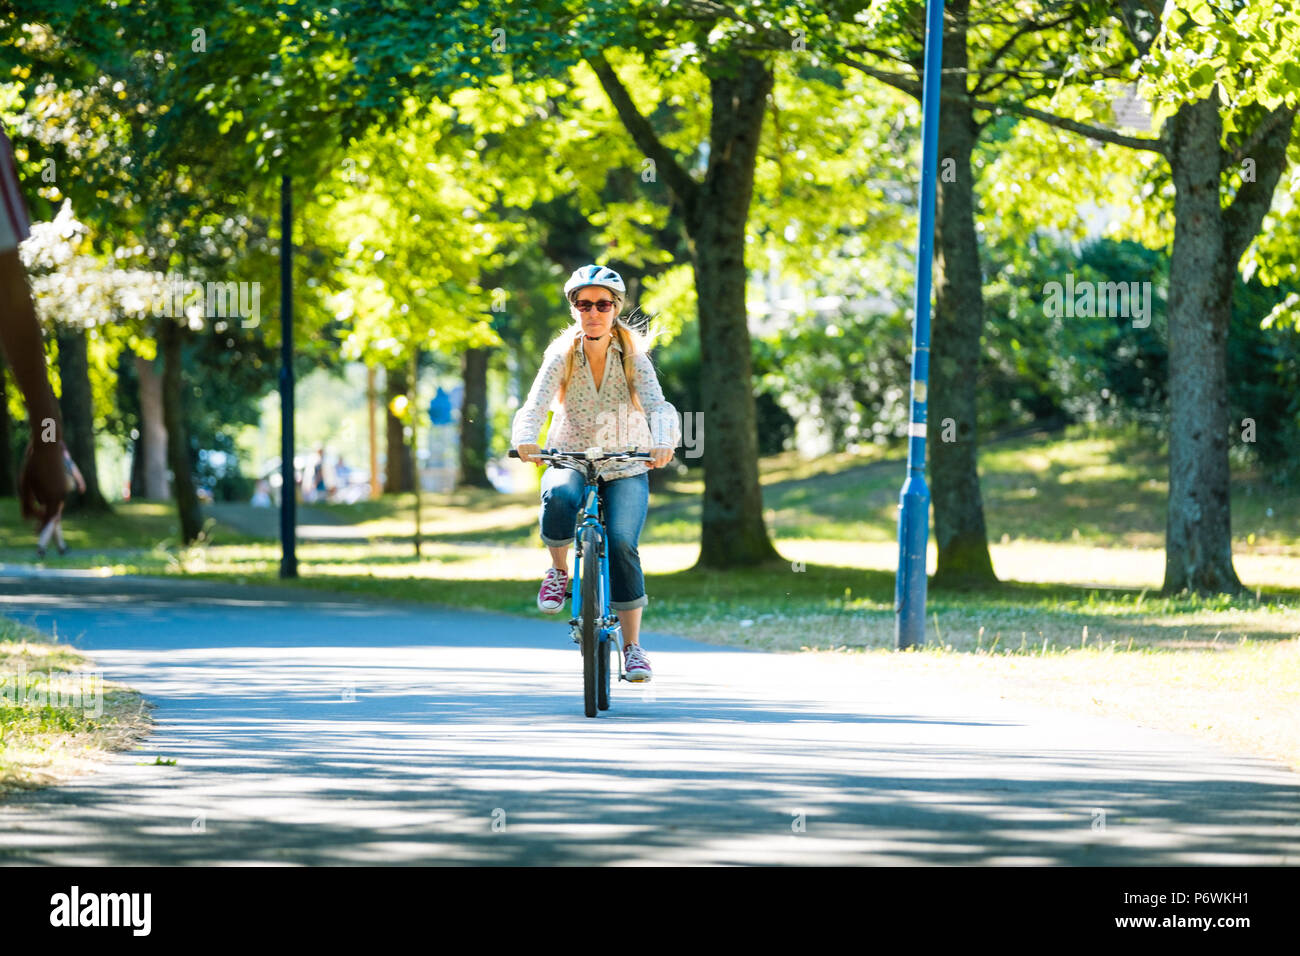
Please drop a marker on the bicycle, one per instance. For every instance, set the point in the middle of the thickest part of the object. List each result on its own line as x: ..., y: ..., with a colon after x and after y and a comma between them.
x: 593, y: 626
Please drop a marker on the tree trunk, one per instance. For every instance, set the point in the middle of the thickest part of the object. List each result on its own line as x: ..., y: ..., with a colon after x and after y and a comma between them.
x: 1209, y: 240
x: 732, y: 532
x: 959, y: 529
x: 77, y: 407
x: 399, y: 471
x: 170, y: 336
x: 151, y: 445
x: 8, y: 487
x: 474, y: 419
x: 1198, y: 536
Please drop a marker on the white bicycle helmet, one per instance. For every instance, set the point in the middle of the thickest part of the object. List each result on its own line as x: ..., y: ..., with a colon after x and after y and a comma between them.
x: 596, y: 275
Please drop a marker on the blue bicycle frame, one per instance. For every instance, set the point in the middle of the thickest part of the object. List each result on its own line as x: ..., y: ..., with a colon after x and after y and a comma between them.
x: 591, y: 514
x: 605, y: 625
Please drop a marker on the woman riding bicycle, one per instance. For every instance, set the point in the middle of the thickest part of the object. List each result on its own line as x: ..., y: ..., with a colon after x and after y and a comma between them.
x: 616, y: 406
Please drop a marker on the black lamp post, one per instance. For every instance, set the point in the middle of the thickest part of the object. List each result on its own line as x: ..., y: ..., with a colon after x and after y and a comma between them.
x: 288, y: 486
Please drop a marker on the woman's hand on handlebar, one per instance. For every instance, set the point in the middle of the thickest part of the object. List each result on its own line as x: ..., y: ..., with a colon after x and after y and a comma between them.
x: 661, y: 455
x: 526, y: 453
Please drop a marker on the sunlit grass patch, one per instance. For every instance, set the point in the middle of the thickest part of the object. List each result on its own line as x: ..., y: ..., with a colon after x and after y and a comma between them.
x: 57, y: 716
x: 1241, y: 694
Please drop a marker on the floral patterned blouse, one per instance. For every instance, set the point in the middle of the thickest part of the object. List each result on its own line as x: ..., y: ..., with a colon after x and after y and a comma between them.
x: 603, y: 417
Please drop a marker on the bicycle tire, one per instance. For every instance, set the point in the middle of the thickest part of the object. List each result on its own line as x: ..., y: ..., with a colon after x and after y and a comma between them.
x: 590, y: 617
x: 604, y: 660
x: 605, y: 652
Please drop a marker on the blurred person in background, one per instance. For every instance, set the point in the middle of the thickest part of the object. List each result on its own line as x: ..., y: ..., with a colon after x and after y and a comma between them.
x: 54, y: 525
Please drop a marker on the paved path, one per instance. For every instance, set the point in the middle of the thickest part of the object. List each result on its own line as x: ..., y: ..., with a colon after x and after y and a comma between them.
x: 464, y: 742
x: 311, y: 524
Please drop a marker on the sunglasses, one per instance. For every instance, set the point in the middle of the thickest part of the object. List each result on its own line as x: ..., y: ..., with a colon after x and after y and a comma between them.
x: 604, y: 305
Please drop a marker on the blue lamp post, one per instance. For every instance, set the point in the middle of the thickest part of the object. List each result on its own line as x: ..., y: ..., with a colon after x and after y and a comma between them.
x: 914, y: 511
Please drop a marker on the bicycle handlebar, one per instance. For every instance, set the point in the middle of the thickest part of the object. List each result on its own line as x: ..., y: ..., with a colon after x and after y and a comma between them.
x: 554, y: 453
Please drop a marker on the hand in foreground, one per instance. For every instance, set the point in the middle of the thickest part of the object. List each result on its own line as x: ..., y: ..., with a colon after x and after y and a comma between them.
x: 526, y: 453
x: 42, y: 484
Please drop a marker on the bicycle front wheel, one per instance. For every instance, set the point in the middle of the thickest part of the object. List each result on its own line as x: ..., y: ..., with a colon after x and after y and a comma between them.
x: 591, y: 614
x: 604, y: 661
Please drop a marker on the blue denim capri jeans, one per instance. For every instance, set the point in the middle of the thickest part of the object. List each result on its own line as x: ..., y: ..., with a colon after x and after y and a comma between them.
x: 626, y: 502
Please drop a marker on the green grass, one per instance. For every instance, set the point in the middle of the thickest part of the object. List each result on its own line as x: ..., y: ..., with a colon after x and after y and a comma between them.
x: 57, y: 717
x: 1095, y: 488
x: 1076, y: 525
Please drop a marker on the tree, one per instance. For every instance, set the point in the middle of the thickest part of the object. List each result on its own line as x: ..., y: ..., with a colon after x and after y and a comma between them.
x: 1209, y: 241
x: 400, y: 473
x: 1185, y: 55
x: 8, y: 485
x: 142, y: 173
x: 474, y: 418
x: 404, y: 292
x: 886, y: 42
x: 149, y: 478
x: 1224, y: 79
x: 542, y: 43
x: 77, y: 407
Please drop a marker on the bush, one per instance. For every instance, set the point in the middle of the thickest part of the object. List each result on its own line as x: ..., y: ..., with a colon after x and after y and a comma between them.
x: 1104, y: 369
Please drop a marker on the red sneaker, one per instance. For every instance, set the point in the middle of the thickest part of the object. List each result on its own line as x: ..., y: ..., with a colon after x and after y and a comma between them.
x: 550, y: 598
x: 636, y: 665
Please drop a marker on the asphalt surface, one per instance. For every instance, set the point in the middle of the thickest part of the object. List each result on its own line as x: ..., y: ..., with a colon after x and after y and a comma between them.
x: 309, y: 730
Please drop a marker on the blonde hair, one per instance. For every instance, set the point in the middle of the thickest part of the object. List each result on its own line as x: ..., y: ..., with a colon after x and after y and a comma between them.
x: 633, y: 342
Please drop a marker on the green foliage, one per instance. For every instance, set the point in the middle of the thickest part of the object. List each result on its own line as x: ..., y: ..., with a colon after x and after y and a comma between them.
x: 1274, y: 256
x: 1106, y: 369
x: 1264, y: 381
x: 227, y: 376
x: 1248, y: 51
x: 416, y: 287
x: 452, y: 161
x: 836, y: 171
x: 846, y: 373
x: 1082, y: 368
